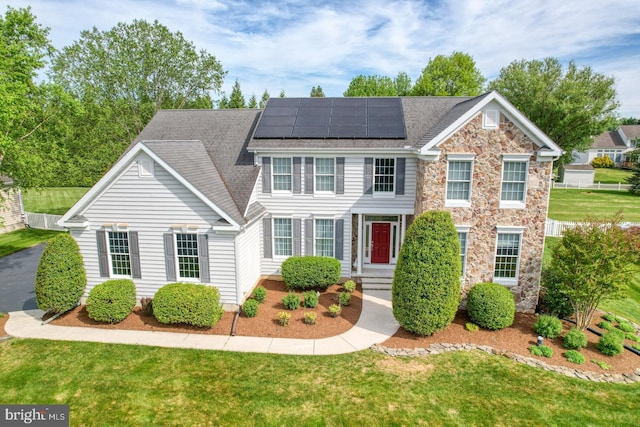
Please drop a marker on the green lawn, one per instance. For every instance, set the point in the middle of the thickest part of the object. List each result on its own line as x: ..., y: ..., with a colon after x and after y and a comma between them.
x: 54, y: 200
x: 575, y: 205
x: 23, y: 239
x: 611, y: 176
x: 133, y: 385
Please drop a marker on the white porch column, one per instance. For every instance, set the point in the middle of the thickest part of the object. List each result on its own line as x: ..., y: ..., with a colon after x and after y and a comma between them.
x: 359, y: 254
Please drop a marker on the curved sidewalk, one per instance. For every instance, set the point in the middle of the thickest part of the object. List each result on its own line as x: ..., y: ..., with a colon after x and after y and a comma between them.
x: 375, y: 325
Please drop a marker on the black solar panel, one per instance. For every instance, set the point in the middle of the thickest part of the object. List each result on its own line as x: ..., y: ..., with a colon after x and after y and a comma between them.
x: 360, y: 118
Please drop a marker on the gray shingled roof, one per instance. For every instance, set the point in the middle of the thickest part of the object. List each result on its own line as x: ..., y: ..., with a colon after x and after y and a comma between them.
x: 608, y: 140
x: 631, y: 131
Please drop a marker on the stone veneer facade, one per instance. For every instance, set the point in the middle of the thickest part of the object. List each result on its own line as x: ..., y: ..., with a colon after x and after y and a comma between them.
x: 484, y: 214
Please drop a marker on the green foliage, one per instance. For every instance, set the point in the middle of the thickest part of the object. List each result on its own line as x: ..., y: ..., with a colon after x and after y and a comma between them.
x: 541, y: 351
x: 146, y: 304
x: 602, y: 162
x: 591, y: 264
x: 634, y: 180
x: 291, y: 301
x: 310, y: 299
x: 568, y: 105
x: 310, y: 272
x: 625, y: 327
x: 349, y: 286
x: 609, y: 317
x: 632, y: 337
x: 552, y: 299
x: 548, y: 326
x: 611, y: 343
x: 426, y: 281
x: 371, y: 86
x: 635, y: 347
x: 454, y: 75
x: 317, y: 92
x: 335, y: 310
x: 605, y: 325
x: 112, y: 301
x: 402, y: 83
x: 575, y: 339
x: 250, y: 308
x: 603, y: 365
x: 264, y: 99
x: 471, y: 327
x: 236, y: 99
x: 60, y: 277
x: 574, y: 356
x: 188, y: 303
x: 344, y: 298
x: 260, y: 294
x: 310, y: 318
x: 491, y: 306
x: 283, y: 318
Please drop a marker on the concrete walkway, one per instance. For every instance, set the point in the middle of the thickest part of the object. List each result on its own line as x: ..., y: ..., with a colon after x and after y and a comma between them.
x: 375, y: 325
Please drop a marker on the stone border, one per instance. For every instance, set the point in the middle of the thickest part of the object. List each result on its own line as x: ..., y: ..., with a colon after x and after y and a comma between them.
x: 529, y: 361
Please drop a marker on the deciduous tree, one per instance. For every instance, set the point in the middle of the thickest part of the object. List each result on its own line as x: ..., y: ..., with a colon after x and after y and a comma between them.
x: 454, y: 75
x: 371, y: 86
x: 317, y: 92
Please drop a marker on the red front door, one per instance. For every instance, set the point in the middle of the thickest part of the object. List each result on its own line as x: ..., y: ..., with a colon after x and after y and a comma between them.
x: 380, y: 240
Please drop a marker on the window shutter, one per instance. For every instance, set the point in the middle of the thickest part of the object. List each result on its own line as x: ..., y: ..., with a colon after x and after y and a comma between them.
x: 339, y: 239
x: 308, y: 236
x: 297, y: 237
x: 340, y: 175
x: 266, y: 236
x: 368, y: 175
x: 169, y: 257
x: 103, y: 257
x: 297, y: 175
x: 400, y: 166
x: 266, y: 174
x: 134, y: 254
x: 308, y: 175
x: 203, y: 258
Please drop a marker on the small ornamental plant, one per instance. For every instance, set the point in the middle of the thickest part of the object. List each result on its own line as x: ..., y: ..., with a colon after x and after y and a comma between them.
x: 574, y: 356
x: 310, y: 299
x: 283, y: 318
x: 250, y: 308
x: 349, y: 286
x: 636, y: 347
x: 609, y: 317
x: 632, y: 337
x: 260, y: 294
x: 335, y: 310
x: 611, y: 343
x: 603, y: 365
x: 625, y: 327
x: 575, y: 339
x: 344, y: 298
x: 605, y: 325
x: 541, y: 350
x: 310, y: 318
x: 471, y: 327
x: 291, y: 301
x: 548, y: 326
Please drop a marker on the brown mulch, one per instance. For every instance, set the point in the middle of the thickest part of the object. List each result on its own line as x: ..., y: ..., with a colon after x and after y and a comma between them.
x: 517, y: 339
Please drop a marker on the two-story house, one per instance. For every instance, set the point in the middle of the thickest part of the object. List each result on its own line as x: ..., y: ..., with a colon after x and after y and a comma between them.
x: 224, y: 196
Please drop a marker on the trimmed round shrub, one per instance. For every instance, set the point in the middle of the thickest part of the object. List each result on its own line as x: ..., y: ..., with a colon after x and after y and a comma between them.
x: 291, y: 301
x: 310, y: 272
x: 260, y: 294
x: 491, y: 306
x: 60, y: 278
x: 250, y: 308
x: 611, y: 343
x: 112, y: 301
x: 188, y: 303
x: 349, y: 286
x: 310, y: 299
x: 344, y: 298
x: 575, y: 339
x: 334, y: 310
x: 548, y: 326
x: 426, y: 282
x: 574, y: 356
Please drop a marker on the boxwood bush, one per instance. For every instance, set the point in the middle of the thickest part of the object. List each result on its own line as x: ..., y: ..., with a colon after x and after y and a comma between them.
x: 188, y: 303
x: 491, y: 306
x: 548, y: 326
x: 310, y: 299
x: 426, y: 282
x: 250, y: 308
x: 112, y: 301
x: 310, y: 272
x: 60, y: 278
x: 260, y: 294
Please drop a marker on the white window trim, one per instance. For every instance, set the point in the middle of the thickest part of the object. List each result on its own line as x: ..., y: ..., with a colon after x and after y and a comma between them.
x: 177, y: 262
x: 315, y: 177
x: 384, y: 194
x: 515, y: 204
x: 273, y: 174
x: 273, y: 237
x: 333, y: 234
x: 464, y: 229
x: 109, y: 254
x: 508, y: 281
x: 459, y: 203
x: 491, y: 119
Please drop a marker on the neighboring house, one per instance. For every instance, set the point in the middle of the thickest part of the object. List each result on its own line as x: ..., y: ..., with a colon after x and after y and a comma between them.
x: 616, y: 145
x: 224, y: 196
x: 11, y: 208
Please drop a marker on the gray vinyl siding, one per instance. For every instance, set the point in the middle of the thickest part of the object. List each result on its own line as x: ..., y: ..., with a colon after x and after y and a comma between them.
x: 151, y: 206
x: 338, y: 206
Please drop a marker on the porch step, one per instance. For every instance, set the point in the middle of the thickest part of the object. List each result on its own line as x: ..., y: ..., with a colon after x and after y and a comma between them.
x: 374, y: 283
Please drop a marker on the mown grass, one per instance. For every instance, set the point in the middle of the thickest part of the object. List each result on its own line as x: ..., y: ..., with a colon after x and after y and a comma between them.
x: 54, y: 200
x: 576, y: 205
x: 133, y: 385
x: 611, y: 175
x: 23, y: 239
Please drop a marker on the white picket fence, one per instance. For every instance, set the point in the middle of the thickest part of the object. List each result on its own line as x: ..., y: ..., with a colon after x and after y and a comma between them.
x: 43, y: 221
x: 595, y: 186
x: 557, y: 228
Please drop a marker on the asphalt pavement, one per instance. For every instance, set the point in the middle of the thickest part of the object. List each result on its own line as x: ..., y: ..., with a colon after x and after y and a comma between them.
x: 17, y: 278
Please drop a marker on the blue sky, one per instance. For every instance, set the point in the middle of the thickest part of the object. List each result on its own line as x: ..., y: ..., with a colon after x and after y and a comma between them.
x: 292, y: 45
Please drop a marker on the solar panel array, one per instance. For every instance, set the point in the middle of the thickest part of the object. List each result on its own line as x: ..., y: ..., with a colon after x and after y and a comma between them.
x: 349, y: 118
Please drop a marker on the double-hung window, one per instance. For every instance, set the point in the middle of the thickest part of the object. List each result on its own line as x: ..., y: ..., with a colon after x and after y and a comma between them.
x: 507, y: 261
x: 324, y: 237
x: 325, y: 175
x: 514, y: 181
x: 119, y: 254
x: 463, y: 239
x: 459, y: 173
x: 187, y: 253
x: 383, y: 177
x: 281, y: 173
x: 282, y: 237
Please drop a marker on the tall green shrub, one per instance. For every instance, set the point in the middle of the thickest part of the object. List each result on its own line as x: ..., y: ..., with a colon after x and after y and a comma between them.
x: 112, y: 301
x: 426, y: 282
x: 189, y: 303
x: 60, y: 278
x: 310, y: 272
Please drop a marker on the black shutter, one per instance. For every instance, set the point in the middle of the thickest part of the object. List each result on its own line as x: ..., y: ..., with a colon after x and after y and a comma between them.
x: 297, y: 236
x: 400, y: 162
x: 297, y: 175
x: 203, y: 258
x: 134, y: 254
x: 308, y: 236
x: 103, y: 256
x: 340, y: 175
x: 266, y: 236
x: 266, y: 174
x: 368, y: 175
x: 169, y: 257
x: 308, y: 175
x: 339, y: 239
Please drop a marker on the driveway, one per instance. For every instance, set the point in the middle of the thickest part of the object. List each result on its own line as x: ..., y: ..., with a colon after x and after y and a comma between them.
x: 17, y: 278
